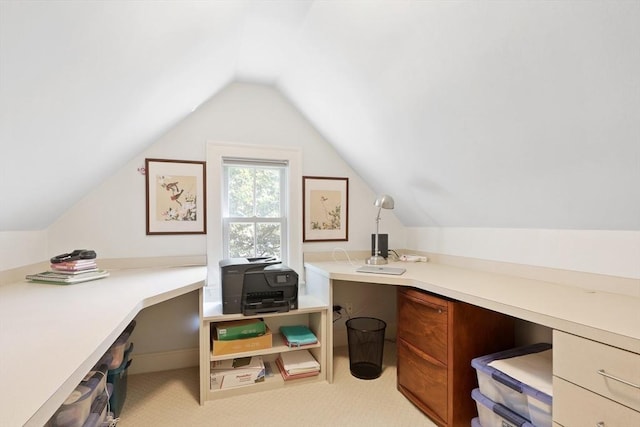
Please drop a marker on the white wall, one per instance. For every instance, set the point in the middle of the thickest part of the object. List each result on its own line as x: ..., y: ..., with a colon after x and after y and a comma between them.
x: 262, y: 116
x: 111, y: 219
x: 614, y: 253
x: 18, y: 248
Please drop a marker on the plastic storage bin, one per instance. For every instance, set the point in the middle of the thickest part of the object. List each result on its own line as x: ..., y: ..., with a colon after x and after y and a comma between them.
x: 75, y: 410
x: 118, y: 348
x: 118, y: 379
x: 99, y: 409
x: 493, y: 414
x: 521, y: 398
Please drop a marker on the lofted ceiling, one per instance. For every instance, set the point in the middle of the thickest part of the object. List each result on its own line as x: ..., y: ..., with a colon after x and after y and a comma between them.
x: 521, y: 114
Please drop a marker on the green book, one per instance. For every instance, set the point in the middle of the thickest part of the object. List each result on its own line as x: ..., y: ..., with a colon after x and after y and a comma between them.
x: 297, y: 335
x: 239, y: 329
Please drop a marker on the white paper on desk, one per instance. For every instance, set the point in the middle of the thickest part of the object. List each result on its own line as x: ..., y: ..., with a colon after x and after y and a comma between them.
x: 535, y: 370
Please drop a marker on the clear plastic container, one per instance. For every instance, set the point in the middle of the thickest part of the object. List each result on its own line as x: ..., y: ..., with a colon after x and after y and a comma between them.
x: 118, y: 348
x: 99, y: 411
x: 493, y: 414
x: 526, y: 401
x: 75, y: 410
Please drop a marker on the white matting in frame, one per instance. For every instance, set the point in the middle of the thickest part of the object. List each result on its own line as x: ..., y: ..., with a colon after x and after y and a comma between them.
x: 176, y: 196
x: 325, y: 209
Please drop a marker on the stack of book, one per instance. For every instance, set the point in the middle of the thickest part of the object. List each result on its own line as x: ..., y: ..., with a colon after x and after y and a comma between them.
x: 68, y: 272
x: 297, y: 364
x: 76, y: 266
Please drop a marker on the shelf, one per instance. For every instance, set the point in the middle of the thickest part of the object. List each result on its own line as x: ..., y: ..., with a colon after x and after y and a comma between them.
x: 270, y: 383
x: 212, y: 310
x: 278, y: 347
x: 312, y: 311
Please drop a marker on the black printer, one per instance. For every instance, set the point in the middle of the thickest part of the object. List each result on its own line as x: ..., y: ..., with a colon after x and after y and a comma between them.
x: 257, y: 285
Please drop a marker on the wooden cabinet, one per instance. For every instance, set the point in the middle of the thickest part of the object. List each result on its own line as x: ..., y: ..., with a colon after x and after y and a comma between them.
x: 594, y: 383
x: 437, y: 338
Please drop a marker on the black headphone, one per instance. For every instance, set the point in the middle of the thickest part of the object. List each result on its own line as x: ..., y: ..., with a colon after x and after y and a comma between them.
x: 73, y: 256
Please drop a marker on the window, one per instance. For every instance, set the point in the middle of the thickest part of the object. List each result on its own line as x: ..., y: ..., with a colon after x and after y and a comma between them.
x: 254, y: 192
x: 254, y: 218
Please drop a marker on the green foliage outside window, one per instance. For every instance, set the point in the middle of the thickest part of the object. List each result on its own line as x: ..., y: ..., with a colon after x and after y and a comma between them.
x: 253, y: 198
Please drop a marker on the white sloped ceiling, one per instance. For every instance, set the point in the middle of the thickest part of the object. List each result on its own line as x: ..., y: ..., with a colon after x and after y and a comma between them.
x: 470, y: 113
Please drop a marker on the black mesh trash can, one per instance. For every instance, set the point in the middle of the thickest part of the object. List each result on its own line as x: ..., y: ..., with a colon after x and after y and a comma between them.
x: 365, y: 336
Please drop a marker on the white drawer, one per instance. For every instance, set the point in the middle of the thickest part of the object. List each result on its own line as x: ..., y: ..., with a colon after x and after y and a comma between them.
x: 582, y: 362
x: 574, y: 406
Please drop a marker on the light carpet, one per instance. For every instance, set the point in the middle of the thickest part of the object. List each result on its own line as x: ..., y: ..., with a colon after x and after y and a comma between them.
x: 170, y: 398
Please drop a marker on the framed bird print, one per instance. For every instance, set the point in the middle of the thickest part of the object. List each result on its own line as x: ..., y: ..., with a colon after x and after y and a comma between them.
x: 325, y: 209
x: 175, y: 196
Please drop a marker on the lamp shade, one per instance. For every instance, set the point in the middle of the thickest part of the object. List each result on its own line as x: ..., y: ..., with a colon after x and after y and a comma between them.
x: 384, y: 201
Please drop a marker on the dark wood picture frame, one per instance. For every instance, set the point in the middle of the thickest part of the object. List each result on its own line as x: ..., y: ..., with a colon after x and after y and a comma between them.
x: 325, y: 209
x: 176, y: 196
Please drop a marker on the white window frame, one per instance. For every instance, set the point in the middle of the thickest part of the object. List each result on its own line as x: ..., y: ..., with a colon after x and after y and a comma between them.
x: 282, y: 167
x: 216, y: 153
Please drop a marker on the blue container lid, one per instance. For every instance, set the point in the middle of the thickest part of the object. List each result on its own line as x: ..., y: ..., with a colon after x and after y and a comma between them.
x: 482, y: 365
x: 500, y: 410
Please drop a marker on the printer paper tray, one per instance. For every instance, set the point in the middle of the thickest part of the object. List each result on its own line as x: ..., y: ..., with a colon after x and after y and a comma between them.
x: 252, y: 310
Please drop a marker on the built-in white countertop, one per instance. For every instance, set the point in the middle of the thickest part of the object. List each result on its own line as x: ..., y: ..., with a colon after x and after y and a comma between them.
x: 607, y: 317
x: 52, y: 335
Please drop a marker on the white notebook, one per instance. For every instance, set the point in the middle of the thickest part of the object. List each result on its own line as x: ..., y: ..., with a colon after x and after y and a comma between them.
x: 299, y: 361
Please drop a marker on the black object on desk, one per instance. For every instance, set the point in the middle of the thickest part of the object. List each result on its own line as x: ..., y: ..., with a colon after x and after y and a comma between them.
x: 383, y: 245
x: 74, y: 256
x: 257, y: 285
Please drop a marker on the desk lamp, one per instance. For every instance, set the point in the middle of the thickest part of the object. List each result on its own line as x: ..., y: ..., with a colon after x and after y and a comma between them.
x: 383, y: 201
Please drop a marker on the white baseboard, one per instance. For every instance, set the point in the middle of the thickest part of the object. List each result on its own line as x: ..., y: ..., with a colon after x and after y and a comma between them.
x: 164, y: 361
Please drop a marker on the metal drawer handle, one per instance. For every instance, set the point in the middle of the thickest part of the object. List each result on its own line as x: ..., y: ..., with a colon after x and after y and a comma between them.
x: 600, y: 424
x: 604, y: 374
x: 434, y: 308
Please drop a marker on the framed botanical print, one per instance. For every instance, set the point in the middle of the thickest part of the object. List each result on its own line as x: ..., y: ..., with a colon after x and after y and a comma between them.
x: 176, y: 196
x: 325, y: 209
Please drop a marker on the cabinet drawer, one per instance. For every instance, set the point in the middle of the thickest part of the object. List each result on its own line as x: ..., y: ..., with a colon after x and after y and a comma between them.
x: 581, y: 361
x: 574, y: 406
x: 425, y: 380
x: 422, y: 322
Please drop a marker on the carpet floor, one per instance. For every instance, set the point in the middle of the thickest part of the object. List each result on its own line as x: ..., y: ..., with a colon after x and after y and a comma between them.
x: 170, y: 398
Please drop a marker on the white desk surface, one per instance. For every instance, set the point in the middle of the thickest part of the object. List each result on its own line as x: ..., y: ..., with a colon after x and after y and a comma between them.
x: 52, y: 335
x: 607, y: 317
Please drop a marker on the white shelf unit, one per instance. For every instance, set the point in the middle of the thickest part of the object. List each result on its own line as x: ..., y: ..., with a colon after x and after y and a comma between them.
x: 312, y: 312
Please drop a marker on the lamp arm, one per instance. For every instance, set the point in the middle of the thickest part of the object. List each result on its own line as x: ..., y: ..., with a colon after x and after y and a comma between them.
x: 382, y: 202
x: 378, y: 216
x: 376, y: 250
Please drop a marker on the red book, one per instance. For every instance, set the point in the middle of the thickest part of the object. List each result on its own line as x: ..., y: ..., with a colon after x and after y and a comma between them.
x: 79, y: 265
x: 286, y: 376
